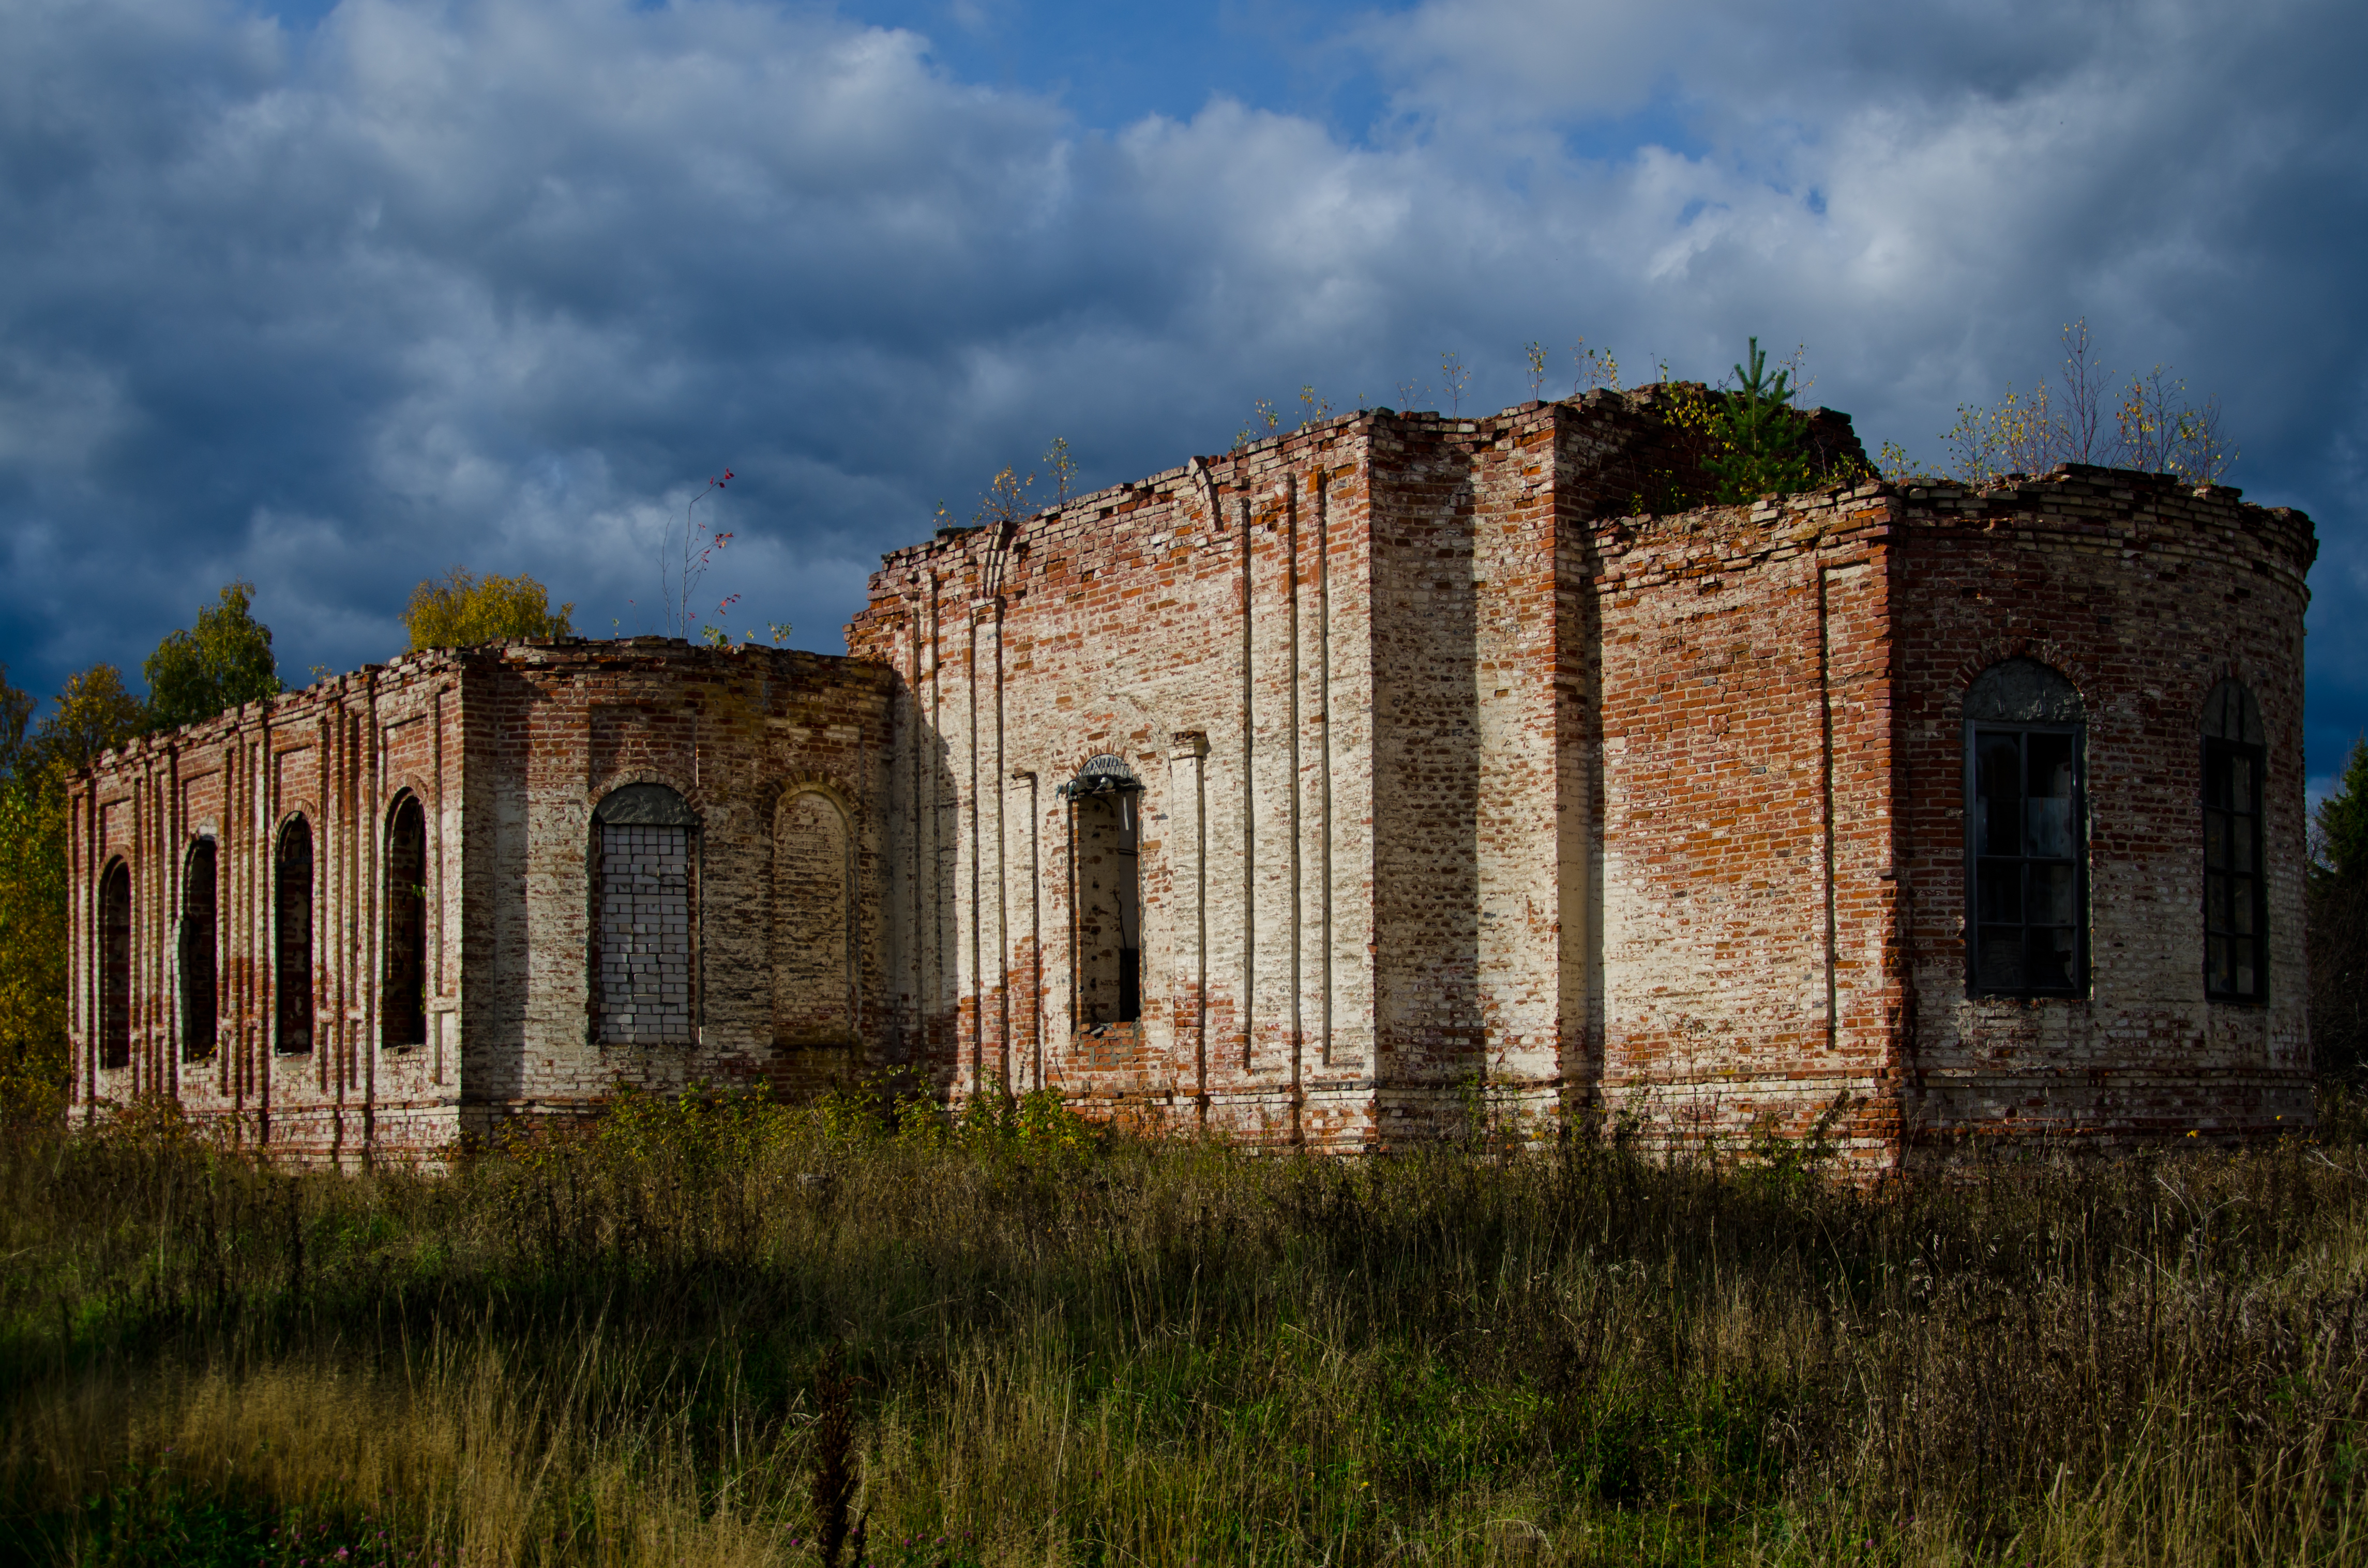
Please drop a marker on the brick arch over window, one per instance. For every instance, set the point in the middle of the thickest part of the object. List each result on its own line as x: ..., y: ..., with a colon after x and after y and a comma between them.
x: 115, y: 965
x: 403, y: 994
x: 2235, y: 891
x: 201, y: 964
x: 814, y: 921
x: 646, y: 968
x: 2026, y: 834
x: 291, y: 901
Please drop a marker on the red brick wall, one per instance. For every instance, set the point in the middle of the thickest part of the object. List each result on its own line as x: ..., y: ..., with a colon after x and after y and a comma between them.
x: 508, y: 748
x: 341, y: 755
x: 1746, y: 839
x: 748, y: 736
x: 1206, y: 626
x: 1452, y: 779
x: 2146, y: 593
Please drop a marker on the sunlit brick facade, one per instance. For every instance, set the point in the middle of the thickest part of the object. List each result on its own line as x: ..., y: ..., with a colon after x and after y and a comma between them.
x: 1323, y: 791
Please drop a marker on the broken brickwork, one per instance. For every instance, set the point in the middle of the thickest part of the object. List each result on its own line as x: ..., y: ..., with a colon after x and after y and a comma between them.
x: 1321, y: 791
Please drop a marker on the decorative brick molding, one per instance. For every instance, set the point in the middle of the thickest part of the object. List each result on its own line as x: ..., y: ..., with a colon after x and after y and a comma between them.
x: 1458, y: 781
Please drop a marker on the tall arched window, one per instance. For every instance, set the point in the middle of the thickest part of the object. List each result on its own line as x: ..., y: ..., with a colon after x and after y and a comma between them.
x: 1105, y: 802
x: 115, y: 965
x: 645, y: 917
x: 2236, y: 895
x: 199, y: 964
x: 291, y: 918
x: 2026, y: 834
x: 403, y: 994
x: 814, y: 918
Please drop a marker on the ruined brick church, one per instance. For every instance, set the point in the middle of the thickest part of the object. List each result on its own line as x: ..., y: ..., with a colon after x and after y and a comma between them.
x: 1306, y: 794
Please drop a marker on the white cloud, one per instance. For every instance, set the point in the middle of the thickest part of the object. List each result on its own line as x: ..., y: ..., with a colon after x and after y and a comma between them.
x: 494, y: 281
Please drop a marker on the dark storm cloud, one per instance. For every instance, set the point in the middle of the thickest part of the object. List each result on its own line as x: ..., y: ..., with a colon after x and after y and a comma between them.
x: 503, y: 282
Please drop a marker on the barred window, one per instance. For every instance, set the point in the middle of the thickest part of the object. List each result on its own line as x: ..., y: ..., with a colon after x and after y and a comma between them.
x: 2026, y: 834
x: 2236, y: 895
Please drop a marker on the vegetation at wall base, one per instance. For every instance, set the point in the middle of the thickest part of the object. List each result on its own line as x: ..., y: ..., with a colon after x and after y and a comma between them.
x: 717, y: 1329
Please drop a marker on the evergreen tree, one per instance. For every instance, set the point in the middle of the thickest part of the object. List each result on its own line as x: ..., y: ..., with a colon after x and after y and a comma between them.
x: 225, y: 660
x: 2343, y: 820
x: 1761, y: 437
x: 2337, y: 893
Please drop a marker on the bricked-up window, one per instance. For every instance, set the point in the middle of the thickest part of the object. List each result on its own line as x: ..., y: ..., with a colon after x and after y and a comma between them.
x: 814, y: 923
x: 293, y: 939
x: 403, y: 995
x: 2026, y: 834
x: 199, y: 995
x: 2236, y: 895
x: 1105, y: 802
x: 115, y: 966
x: 645, y: 918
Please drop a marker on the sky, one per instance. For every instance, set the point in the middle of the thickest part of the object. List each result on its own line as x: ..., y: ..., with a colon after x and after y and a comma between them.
x: 332, y: 297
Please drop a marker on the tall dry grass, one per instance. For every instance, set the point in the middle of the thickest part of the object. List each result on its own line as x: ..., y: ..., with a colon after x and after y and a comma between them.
x: 604, y: 1347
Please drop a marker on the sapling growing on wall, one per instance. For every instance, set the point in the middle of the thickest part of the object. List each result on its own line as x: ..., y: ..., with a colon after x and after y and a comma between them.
x: 1456, y: 377
x: 680, y: 571
x: 1596, y: 368
x: 1759, y: 437
x: 1061, y: 466
x: 2149, y: 424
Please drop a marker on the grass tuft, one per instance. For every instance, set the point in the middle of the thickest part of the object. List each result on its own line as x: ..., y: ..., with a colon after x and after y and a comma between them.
x: 719, y: 1330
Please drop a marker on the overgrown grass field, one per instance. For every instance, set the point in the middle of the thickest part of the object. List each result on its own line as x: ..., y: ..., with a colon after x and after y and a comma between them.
x: 732, y: 1332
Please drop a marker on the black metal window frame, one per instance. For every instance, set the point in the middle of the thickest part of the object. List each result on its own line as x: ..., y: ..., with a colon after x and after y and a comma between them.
x: 2235, y: 895
x: 1979, y: 919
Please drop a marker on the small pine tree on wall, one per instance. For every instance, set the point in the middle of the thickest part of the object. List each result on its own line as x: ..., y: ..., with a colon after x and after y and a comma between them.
x: 1761, y: 441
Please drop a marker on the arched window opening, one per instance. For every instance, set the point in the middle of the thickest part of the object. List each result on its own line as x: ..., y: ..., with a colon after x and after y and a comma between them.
x: 1105, y: 802
x: 115, y: 966
x: 291, y: 910
x: 645, y: 908
x: 199, y: 962
x: 2026, y: 834
x: 403, y: 995
x: 2236, y: 893
x: 813, y: 917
